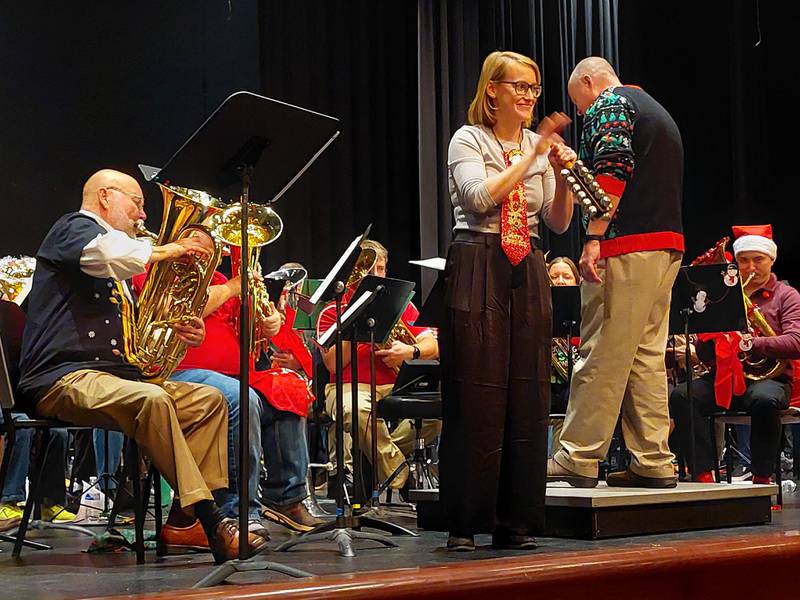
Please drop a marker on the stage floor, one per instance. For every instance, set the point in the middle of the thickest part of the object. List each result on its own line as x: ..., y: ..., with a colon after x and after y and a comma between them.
x: 67, y: 572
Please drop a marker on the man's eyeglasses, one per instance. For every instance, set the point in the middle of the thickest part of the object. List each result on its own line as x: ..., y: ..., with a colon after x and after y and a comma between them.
x: 137, y: 199
x: 521, y: 88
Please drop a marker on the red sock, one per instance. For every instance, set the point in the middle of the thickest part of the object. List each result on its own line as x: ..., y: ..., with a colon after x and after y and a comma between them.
x: 704, y: 477
x: 763, y: 479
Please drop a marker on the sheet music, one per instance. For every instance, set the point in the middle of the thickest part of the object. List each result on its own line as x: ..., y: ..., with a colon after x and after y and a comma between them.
x: 329, y: 277
x: 435, y: 263
x: 352, y: 308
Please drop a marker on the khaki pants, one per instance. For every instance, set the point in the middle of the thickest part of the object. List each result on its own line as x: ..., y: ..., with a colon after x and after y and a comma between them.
x: 624, y: 322
x: 183, y: 427
x: 392, y: 447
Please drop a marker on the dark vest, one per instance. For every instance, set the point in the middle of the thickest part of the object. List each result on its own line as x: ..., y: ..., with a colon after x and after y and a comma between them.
x: 74, y: 321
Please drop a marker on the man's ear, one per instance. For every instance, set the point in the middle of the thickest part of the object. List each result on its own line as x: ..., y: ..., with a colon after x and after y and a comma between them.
x: 102, y: 197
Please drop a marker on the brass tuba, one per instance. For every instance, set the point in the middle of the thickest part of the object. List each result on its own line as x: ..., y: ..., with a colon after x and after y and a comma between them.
x: 762, y: 367
x: 174, y: 290
x: 264, y: 226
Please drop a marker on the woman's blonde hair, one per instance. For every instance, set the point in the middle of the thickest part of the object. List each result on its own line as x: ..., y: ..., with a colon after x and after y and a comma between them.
x: 481, y: 111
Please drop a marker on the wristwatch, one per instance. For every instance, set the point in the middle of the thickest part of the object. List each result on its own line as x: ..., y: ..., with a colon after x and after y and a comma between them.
x: 593, y: 238
x: 417, y: 352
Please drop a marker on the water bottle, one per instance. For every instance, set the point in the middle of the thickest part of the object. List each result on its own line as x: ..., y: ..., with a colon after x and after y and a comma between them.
x: 93, y: 500
x: 788, y: 487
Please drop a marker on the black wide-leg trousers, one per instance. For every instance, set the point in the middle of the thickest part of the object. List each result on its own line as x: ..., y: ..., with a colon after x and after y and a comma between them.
x: 495, y: 355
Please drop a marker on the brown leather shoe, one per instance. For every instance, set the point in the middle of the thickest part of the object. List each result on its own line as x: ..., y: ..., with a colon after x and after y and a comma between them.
x: 225, y: 541
x: 555, y: 472
x: 180, y: 540
x: 628, y: 478
x: 292, y: 516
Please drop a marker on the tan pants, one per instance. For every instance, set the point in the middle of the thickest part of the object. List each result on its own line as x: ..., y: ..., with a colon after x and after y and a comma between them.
x: 182, y: 427
x: 392, y: 447
x: 624, y: 322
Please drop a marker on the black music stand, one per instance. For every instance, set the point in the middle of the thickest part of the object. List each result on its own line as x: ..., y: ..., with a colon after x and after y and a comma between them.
x: 374, y: 326
x: 343, y: 529
x: 566, y: 317
x: 705, y: 299
x: 248, y: 142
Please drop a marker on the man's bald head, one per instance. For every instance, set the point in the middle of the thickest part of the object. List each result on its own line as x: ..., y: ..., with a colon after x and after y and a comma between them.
x: 115, y: 197
x: 589, y: 78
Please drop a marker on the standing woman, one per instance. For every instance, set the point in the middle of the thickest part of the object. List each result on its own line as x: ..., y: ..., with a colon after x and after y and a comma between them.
x: 495, y: 341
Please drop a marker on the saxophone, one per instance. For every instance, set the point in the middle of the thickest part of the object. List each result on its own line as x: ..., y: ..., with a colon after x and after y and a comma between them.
x: 175, y: 291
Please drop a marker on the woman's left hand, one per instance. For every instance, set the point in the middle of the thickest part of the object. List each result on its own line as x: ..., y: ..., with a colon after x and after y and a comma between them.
x: 561, y: 155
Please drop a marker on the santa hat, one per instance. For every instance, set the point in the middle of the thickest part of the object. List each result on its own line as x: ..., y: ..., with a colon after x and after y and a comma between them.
x: 756, y: 238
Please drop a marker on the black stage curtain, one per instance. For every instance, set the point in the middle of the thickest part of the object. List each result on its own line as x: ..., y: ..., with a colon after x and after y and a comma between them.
x: 454, y: 38
x: 355, y: 60
x: 107, y: 84
x: 724, y: 71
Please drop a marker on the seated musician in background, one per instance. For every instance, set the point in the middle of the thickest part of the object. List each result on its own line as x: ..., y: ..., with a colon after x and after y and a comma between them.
x: 52, y: 489
x: 279, y: 402
x: 282, y: 356
x: 73, y: 368
x: 725, y: 387
x: 563, y: 273
x: 395, y: 446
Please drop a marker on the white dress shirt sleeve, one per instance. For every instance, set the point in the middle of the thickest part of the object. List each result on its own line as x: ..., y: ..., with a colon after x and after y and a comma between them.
x: 115, y: 254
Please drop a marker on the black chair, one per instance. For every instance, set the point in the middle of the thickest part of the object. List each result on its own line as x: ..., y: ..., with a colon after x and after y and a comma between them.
x: 790, y: 416
x: 12, y: 321
x: 416, y: 407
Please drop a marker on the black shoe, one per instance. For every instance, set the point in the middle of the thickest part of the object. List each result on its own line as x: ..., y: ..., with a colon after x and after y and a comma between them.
x: 508, y: 540
x: 458, y: 543
x: 628, y: 478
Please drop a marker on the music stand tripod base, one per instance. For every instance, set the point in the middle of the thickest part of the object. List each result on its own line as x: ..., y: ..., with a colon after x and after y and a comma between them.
x: 230, y: 567
x: 342, y: 531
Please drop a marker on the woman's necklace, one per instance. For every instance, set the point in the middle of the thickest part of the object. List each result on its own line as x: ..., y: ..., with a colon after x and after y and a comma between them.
x: 514, y: 155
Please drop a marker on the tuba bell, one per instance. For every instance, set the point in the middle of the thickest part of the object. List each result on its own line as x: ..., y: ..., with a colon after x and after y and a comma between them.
x: 174, y: 291
x: 264, y: 226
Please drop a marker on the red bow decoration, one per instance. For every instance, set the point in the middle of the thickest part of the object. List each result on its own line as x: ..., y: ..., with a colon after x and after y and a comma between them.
x: 729, y: 378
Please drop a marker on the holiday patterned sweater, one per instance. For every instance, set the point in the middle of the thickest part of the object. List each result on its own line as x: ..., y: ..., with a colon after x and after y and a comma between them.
x: 634, y: 148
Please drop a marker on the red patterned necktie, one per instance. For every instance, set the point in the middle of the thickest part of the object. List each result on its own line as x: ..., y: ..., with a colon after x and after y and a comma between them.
x: 514, y: 236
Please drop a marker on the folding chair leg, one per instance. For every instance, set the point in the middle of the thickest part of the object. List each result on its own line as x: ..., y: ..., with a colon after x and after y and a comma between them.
x: 40, y: 447
x: 156, y: 476
x: 712, y: 424
x: 138, y: 503
x: 796, y: 452
x: 121, y: 478
x: 778, y: 474
x: 728, y: 453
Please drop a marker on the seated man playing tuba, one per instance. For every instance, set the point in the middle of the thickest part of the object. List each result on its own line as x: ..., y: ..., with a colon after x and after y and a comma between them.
x: 746, y: 386
x: 73, y: 366
x: 395, y: 446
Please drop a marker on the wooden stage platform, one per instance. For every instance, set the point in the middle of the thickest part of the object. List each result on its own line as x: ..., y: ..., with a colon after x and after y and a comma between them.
x: 604, y: 512
x: 751, y: 561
